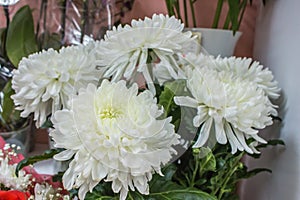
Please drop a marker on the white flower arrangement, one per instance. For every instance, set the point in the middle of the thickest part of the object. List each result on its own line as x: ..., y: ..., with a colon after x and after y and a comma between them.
x: 26, y: 184
x: 131, y: 133
x: 8, y: 178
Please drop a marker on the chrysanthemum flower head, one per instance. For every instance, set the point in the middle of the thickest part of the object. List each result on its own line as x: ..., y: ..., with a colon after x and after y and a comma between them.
x: 126, y: 50
x: 44, y: 81
x: 228, y: 108
x: 115, y: 135
x: 253, y: 71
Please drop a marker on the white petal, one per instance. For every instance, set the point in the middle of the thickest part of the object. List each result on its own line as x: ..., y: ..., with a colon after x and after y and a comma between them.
x: 64, y: 155
x: 220, y: 132
x: 186, y: 101
x: 204, y: 133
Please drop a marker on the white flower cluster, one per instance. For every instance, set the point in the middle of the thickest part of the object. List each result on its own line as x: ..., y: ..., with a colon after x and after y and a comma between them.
x: 8, y: 177
x: 45, y: 191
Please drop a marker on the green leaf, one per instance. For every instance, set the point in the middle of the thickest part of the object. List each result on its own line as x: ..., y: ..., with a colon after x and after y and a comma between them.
x: 217, y: 14
x: 166, y: 98
x: 254, y: 172
x: 33, y: 159
x: 170, y: 6
x: 132, y: 195
x: 20, y: 41
x: 234, y: 12
x: 207, y: 163
x: 178, y: 87
x: 186, y: 194
x: 223, y: 181
x: 99, y: 197
x: 102, y: 191
x: 7, y: 104
x: 10, y: 117
x: 162, y: 187
x: 2, y: 39
x: 164, y: 183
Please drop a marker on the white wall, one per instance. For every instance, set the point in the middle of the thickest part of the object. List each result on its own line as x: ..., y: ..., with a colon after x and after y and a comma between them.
x: 277, y: 46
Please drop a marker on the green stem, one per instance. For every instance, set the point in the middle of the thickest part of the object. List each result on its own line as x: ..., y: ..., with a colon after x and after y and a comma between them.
x: 194, y: 172
x: 218, y: 14
x: 226, y: 181
x: 203, y: 167
x: 170, y: 7
x: 193, y: 12
x: 227, y: 178
x: 180, y: 181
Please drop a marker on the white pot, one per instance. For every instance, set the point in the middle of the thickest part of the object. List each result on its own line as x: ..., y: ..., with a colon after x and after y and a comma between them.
x: 217, y: 41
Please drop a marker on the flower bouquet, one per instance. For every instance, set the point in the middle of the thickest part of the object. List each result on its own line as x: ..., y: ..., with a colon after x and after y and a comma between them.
x: 140, y: 115
x: 26, y: 183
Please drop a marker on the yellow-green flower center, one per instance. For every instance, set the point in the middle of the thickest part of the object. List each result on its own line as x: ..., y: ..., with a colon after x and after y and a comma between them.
x: 109, y: 113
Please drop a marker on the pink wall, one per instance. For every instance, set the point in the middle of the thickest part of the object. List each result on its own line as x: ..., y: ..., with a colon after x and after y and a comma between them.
x: 204, y: 12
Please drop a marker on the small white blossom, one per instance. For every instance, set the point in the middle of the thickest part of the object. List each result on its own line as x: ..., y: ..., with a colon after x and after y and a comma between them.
x: 45, y: 191
x: 8, y: 177
x: 45, y: 81
x: 114, y: 135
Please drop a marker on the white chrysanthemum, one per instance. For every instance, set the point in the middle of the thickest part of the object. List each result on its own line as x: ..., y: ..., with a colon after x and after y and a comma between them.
x: 228, y: 108
x: 191, y: 61
x: 127, y: 49
x: 113, y: 133
x: 44, y: 81
x: 186, y: 62
x: 8, y: 177
x: 245, y: 68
